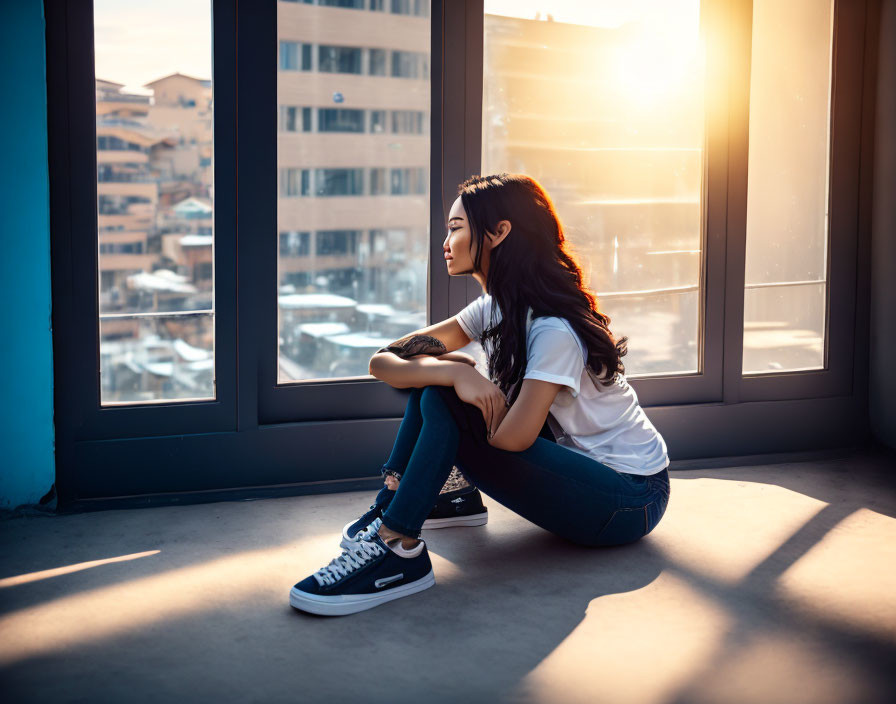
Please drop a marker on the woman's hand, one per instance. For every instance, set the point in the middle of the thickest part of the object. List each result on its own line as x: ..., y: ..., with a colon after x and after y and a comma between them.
x: 471, y: 387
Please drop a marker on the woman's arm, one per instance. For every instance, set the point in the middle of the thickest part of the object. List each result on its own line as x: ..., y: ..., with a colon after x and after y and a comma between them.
x: 417, y: 360
x: 421, y: 370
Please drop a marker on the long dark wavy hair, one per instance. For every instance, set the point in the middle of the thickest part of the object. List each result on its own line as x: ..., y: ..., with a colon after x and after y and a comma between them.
x: 533, y: 266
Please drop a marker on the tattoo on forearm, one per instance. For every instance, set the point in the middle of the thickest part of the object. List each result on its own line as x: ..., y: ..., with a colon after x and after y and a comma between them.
x: 407, y: 347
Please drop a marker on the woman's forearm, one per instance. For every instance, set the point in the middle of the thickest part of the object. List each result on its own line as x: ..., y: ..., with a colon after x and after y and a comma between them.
x: 417, y: 372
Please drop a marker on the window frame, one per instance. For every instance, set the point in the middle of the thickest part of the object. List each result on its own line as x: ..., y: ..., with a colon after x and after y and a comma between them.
x: 73, y: 166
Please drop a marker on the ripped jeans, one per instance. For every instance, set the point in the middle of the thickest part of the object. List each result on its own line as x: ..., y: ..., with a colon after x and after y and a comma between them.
x: 565, y: 492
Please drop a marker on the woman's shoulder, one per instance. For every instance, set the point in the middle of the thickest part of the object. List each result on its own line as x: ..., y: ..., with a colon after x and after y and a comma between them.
x: 554, y: 322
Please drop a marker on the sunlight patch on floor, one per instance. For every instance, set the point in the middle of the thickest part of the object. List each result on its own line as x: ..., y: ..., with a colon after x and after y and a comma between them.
x: 251, y: 579
x: 849, y: 577
x: 726, y: 538
x: 68, y: 569
x: 638, y: 646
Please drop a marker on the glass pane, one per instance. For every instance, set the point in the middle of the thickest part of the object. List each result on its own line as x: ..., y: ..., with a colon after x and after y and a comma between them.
x: 787, y: 189
x: 155, y: 193
x: 602, y: 103
x: 353, y: 205
x: 784, y: 327
x: 164, y: 365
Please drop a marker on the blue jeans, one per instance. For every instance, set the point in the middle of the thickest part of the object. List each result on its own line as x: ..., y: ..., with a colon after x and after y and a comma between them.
x: 563, y: 491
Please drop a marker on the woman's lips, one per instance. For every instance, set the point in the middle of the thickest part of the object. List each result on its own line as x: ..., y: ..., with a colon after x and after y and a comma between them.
x: 448, y: 257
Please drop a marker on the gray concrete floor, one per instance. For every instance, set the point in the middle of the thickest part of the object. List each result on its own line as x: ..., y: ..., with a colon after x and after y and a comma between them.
x: 773, y: 583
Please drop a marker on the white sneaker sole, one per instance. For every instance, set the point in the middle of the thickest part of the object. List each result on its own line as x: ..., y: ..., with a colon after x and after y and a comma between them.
x: 479, y: 519
x: 352, y: 603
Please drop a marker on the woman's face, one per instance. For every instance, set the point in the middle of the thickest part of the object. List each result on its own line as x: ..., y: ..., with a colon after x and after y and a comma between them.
x: 457, y: 243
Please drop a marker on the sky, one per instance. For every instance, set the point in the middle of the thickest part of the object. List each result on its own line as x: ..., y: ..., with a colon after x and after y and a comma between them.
x: 138, y: 41
x: 598, y: 13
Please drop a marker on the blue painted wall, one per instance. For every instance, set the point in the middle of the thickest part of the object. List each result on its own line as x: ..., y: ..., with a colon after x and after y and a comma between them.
x: 27, y: 461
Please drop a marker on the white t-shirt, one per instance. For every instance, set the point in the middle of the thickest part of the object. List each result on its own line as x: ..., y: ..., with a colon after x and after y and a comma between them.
x: 606, y: 423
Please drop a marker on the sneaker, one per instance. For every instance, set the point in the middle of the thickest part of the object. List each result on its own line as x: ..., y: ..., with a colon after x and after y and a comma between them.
x: 462, y: 507
x: 367, y: 576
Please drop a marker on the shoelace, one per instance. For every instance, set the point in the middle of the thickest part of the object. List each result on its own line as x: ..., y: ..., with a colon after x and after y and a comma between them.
x: 347, y: 562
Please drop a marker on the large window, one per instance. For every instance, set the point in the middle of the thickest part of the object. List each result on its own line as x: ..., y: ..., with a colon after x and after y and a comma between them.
x: 243, y: 203
x: 155, y: 208
x: 363, y: 298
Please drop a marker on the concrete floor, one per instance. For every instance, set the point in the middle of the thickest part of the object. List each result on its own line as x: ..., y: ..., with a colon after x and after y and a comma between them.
x: 773, y: 583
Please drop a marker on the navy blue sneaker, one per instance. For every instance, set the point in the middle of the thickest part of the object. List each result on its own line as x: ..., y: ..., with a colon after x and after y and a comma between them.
x: 462, y: 507
x: 371, y: 574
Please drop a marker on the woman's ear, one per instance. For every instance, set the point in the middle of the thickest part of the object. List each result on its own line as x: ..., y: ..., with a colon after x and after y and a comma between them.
x: 501, y: 231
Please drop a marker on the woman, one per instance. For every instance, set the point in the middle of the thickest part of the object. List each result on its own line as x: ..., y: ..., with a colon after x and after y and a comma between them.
x: 555, y: 433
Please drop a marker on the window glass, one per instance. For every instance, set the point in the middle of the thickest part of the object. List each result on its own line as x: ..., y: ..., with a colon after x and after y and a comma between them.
x: 377, y: 62
x: 353, y: 206
x: 155, y: 200
x: 603, y: 104
x: 339, y: 59
x: 787, y: 187
x: 340, y: 120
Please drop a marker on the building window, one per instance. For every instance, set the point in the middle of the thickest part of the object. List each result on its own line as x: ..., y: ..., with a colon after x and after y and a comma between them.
x: 377, y: 121
x: 405, y: 64
x: 295, y: 244
x: 407, y: 121
x: 121, y: 248
x: 340, y: 120
x: 306, y: 182
x: 295, y: 182
x: 289, y: 122
x: 349, y: 4
x: 417, y: 8
x: 377, y: 62
x: 377, y: 182
x: 338, y: 59
x: 295, y: 56
x: 110, y: 143
x: 408, y: 181
x: 337, y: 242
x: 339, y: 182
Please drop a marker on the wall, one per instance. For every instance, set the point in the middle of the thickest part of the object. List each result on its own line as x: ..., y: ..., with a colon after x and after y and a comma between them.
x: 882, y: 358
x: 27, y: 465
